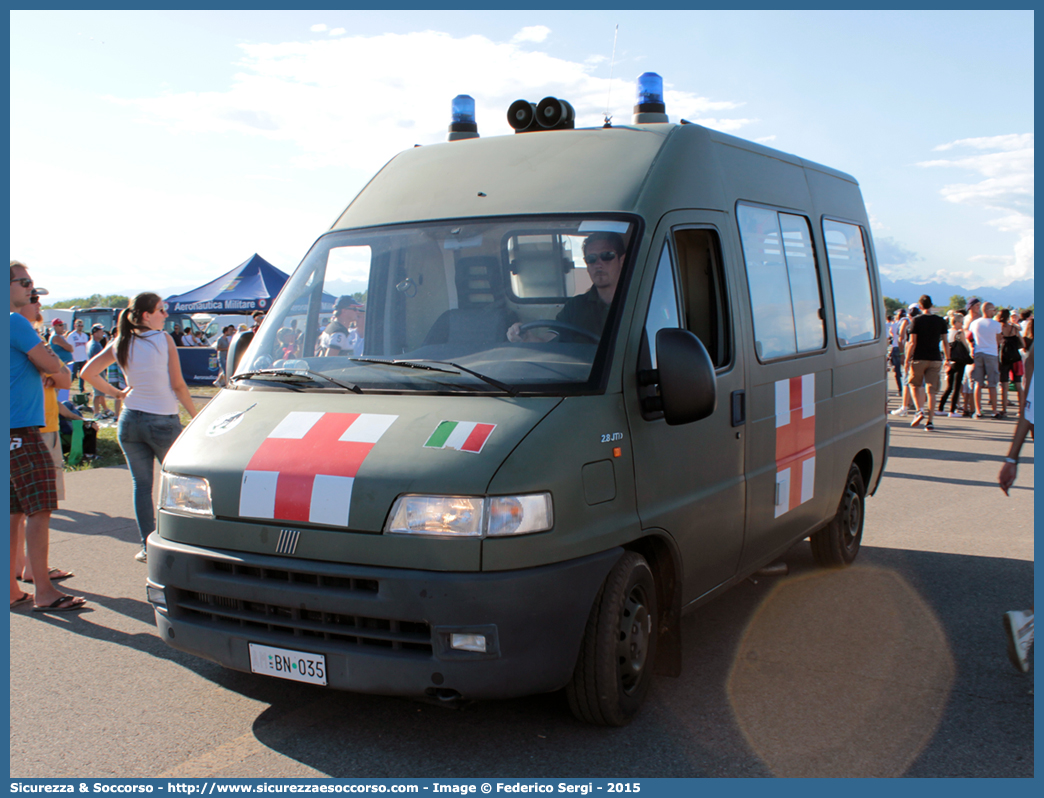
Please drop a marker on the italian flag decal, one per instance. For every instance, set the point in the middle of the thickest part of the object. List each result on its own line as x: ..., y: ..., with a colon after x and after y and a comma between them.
x: 795, y: 442
x: 306, y: 467
x: 464, y: 436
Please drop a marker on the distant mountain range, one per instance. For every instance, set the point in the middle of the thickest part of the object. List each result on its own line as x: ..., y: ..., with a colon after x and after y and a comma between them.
x: 1018, y: 294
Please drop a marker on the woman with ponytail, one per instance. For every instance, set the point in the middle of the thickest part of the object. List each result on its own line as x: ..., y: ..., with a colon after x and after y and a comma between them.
x: 149, y: 423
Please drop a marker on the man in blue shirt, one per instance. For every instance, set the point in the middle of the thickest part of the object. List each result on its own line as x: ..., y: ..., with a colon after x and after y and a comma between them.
x: 32, y: 469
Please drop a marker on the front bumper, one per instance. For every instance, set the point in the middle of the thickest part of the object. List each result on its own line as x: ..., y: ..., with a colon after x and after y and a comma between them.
x: 382, y: 630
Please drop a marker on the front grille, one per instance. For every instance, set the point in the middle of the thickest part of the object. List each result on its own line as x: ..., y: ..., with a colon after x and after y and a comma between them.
x: 284, y: 576
x: 295, y: 622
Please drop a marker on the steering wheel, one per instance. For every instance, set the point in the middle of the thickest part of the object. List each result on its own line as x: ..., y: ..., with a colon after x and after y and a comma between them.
x: 559, y: 326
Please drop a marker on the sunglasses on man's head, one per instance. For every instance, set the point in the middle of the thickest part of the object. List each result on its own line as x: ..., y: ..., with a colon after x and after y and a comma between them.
x: 591, y: 259
x: 34, y: 299
x: 25, y: 282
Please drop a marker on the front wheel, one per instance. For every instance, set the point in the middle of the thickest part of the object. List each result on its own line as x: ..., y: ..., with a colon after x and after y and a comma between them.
x: 838, y: 544
x: 615, y: 665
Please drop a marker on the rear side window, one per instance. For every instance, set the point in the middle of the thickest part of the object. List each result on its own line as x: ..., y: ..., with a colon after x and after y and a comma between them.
x: 854, y: 314
x: 786, y: 303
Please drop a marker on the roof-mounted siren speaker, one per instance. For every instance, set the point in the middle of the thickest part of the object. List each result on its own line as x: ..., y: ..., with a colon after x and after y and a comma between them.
x: 521, y: 116
x: 462, y: 119
x: 648, y: 104
x: 555, y: 114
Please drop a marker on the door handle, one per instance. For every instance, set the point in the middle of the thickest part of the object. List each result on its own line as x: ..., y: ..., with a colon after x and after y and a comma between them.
x: 739, y: 408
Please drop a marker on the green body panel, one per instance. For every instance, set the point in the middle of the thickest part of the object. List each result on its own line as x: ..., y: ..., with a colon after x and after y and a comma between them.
x: 355, y: 548
x: 398, y: 463
x: 643, y: 169
x: 767, y: 534
x: 552, y: 172
x: 581, y: 431
x: 690, y: 479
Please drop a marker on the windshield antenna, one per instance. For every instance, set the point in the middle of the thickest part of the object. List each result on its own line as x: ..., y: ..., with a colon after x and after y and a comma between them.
x: 612, y: 63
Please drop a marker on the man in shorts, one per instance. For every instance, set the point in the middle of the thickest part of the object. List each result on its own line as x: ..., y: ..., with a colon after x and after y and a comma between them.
x: 923, y: 359
x: 985, y: 341
x: 52, y: 411
x: 33, y: 494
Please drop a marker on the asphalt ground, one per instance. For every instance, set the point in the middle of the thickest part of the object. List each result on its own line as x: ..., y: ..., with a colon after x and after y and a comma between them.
x: 894, y: 667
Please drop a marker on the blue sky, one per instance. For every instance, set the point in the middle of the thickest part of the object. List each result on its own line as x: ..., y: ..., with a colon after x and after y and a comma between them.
x: 156, y: 150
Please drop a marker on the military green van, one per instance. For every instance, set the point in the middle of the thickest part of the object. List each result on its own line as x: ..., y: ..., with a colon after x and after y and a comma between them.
x: 577, y: 383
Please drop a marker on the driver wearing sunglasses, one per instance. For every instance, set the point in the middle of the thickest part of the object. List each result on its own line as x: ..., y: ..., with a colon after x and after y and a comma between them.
x: 604, y: 255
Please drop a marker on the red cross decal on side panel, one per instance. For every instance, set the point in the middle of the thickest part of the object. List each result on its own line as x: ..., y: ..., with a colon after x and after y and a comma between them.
x: 795, y: 442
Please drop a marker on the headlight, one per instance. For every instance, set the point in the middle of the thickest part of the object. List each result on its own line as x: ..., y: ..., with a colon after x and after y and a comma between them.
x: 437, y: 515
x: 188, y: 495
x: 471, y: 516
x: 519, y: 515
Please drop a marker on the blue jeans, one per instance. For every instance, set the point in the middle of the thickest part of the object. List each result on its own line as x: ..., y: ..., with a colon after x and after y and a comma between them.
x: 145, y: 437
x: 75, y: 368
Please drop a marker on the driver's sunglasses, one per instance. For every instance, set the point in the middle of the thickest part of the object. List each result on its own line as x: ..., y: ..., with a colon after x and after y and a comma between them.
x: 25, y: 282
x: 592, y: 259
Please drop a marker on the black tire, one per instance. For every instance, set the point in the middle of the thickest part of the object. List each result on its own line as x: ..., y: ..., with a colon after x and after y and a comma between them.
x: 615, y: 664
x: 837, y: 545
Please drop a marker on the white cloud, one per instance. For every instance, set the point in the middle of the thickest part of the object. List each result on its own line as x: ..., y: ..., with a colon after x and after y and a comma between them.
x: 325, y: 97
x: 327, y: 108
x: 893, y: 259
x: 226, y: 230
x: 1005, y: 166
x: 1012, y: 141
x: 533, y: 33
x: 318, y: 28
x: 337, y: 32
x: 968, y: 278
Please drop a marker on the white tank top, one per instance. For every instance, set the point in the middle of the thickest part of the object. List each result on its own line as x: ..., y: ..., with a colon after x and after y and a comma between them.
x: 148, y: 373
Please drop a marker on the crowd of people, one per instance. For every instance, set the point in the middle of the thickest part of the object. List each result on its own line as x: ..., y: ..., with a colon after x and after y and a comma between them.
x: 981, y: 348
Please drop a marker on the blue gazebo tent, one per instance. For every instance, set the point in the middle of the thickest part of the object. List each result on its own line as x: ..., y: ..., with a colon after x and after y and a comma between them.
x: 251, y: 286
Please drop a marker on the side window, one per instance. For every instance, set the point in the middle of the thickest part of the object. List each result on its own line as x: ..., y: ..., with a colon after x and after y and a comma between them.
x: 786, y: 303
x: 804, y: 282
x: 850, y: 283
x: 704, y: 299
x: 663, y: 304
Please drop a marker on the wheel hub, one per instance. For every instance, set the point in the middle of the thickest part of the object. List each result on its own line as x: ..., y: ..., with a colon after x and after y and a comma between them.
x: 633, y: 645
x: 852, y: 516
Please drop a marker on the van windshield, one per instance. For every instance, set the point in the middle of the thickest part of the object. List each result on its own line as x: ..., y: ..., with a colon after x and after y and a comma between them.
x: 491, y: 305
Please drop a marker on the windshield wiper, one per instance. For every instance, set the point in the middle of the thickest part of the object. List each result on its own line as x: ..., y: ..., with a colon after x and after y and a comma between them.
x: 423, y: 364
x: 409, y: 364
x: 285, y: 376
x: 508, y: 389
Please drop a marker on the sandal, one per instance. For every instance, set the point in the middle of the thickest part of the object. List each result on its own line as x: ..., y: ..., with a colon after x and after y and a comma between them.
x: 21, y: 600
x: 54, y: 574
x: 62, y: 604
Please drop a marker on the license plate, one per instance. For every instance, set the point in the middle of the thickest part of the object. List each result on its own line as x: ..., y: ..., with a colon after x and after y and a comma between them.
x: 298, y: 666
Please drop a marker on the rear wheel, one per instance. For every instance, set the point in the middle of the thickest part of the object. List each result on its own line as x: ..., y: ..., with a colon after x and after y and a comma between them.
x: 838, y: 544
x: 615, y: 665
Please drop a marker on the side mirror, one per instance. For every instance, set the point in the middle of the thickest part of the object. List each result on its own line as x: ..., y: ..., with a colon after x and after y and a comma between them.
x: 240, y: 341
x: 685, y: 374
